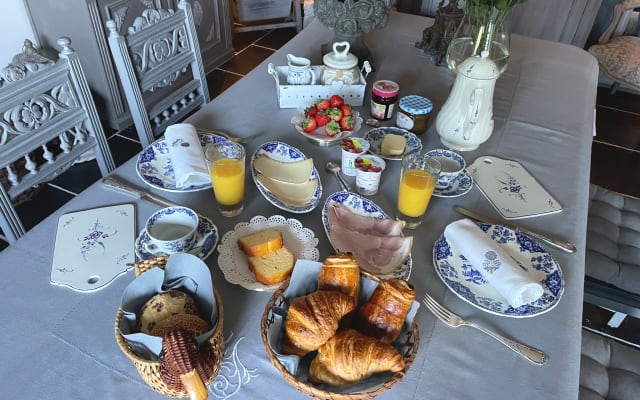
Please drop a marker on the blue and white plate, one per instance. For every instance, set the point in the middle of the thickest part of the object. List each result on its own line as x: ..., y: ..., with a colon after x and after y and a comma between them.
x: 375, y: 136
x: 206, y: 240
x: 283, y: 152
x: 155, y: 169
x: 467, y: 282
x: 367, y: 207
x: 460, y: 186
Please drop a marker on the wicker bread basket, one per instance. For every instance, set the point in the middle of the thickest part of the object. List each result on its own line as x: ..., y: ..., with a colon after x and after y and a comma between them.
x: 411, y: 342
x: 150, y: 371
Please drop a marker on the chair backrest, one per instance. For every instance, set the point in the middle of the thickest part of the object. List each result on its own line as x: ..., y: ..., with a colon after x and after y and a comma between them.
x: 48, y: 120
x: 619, y: 19
x: 160, y: 68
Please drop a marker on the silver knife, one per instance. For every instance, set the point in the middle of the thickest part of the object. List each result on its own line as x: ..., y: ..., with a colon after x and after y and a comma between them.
x: 560, y: 244
x: 127, y: 188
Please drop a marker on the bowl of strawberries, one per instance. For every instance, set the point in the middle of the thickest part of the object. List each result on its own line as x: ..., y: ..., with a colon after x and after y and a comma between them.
x: 327, y: 121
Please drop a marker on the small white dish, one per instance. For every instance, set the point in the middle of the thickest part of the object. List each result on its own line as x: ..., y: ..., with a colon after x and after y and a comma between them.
x: 376, y: 135
x: 467, y: 282
x: 367, y: 207
x: 232, y: 261
x: 283, y: 152
x: 318, y: 136
x: 459, y: 186
x: 155, y: 169
x: 205, y: 241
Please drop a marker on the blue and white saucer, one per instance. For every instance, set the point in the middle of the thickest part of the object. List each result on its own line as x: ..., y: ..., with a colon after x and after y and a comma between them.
x: 206, y: 241
x: 460, y: 186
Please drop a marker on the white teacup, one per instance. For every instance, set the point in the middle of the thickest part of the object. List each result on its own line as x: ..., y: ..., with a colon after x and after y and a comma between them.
x: 171, y: 230
x: 452, y: 165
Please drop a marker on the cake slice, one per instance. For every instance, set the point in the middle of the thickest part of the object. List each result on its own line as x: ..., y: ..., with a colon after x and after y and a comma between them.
x: 273, y: 267
x: 260, y: 243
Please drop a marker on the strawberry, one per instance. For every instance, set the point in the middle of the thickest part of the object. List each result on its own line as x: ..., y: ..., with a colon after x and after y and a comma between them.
x: 323, y: 105
x: 310, y: 111
x: 309, y: 124
x: 347, y: 123
x: 332, y: 128
x: 335, y: 114
x: 336, y: 101
x: 346, y: 109
x: 322, y: 118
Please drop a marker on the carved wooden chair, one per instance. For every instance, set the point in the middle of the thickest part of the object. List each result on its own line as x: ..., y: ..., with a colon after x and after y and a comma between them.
x: 48, y: 121
x: 160, y: 68
x: 618, y: 54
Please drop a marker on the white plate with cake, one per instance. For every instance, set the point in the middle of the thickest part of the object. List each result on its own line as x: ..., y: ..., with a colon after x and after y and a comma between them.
x: 261, y: 253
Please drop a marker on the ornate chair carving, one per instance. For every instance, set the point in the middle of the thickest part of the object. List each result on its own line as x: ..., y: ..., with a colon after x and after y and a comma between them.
x: 619, y: 55
x: 48, y: 121
x: 160, y: 68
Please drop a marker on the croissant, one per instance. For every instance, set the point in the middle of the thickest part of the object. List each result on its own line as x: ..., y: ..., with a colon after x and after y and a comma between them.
x: 383, y: 315
x: 340, y: 272
x: 313, y: 319
x: 350, y: 356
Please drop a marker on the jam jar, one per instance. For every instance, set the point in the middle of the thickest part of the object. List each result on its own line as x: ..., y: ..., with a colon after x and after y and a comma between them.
x: 413, y: 113
x: 384, y: 97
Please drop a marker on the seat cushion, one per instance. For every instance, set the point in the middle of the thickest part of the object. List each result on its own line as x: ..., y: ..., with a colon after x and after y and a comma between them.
x: 613, y: 239
x: 619, y: 58
x: 608, y: 369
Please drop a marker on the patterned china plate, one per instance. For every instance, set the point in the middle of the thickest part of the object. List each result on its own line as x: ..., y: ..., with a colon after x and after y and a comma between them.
x: 206, y: 240
x: 155, y: 169
x: 319, y: 136
x: 467, y: 282
x: 375, y: 136
x: 233, y: 262
x: 283, y: 152
x: 460, y: 186
x: 367, y: 207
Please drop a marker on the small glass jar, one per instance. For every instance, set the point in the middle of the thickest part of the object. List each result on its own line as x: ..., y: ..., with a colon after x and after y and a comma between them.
x: 384, y: 96
x: 413, y: 114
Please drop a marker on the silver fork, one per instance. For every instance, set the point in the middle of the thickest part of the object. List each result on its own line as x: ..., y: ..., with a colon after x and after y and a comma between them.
x: 236, y: 139
x: 530, y: 353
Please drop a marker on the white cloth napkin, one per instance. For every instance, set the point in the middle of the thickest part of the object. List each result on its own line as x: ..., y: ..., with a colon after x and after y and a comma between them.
x: 493, y: 262
x: 186, y: 154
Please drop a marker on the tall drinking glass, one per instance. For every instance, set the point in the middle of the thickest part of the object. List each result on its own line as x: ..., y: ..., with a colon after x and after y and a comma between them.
x: 226, y: 167
x: 419, y: 176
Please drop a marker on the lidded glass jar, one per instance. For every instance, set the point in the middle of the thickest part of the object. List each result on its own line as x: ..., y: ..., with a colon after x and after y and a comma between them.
x: 384, y: 96
x: 413, y: 113
x: 340, y: 65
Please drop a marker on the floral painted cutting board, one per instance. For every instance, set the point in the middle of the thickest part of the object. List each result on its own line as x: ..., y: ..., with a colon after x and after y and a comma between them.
x: 511, y: 189
x: 93, y: 247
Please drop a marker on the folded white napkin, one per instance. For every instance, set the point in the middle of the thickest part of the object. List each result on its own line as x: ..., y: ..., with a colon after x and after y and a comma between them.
x: 493, y: 262
x: 186, y: 154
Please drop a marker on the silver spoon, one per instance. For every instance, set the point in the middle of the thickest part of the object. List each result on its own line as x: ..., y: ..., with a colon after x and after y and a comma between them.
x: 335, y: 168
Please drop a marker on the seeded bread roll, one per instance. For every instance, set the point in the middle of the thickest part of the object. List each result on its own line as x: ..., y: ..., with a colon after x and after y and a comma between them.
x: 164, y: 305
x: 260, y: 243
x: 273, y: 267
x: 192, y: 324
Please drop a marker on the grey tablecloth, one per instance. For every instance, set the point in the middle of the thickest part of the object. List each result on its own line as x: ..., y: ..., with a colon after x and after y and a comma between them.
x: 57, y: 343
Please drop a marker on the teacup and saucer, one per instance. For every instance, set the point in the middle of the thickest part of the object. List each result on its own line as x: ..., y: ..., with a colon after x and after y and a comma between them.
x: 454, y: 180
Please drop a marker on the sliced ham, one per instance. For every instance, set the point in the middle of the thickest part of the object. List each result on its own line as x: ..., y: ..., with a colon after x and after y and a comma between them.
x: 363, y: 223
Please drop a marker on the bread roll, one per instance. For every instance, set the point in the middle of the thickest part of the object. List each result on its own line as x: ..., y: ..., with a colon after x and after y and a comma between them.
x: 383, y: 315
x: 163, y: 305
x: 340, y: 272
x: 259, y: 243
x: 192, y: 324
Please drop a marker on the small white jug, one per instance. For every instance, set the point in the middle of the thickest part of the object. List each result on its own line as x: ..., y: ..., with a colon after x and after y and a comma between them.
x: 299, y: 72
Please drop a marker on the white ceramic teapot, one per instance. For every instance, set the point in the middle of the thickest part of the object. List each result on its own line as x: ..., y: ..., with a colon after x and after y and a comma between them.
x: 466, y: 118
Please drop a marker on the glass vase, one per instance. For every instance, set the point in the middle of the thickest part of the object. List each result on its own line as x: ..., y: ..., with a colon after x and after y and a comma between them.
x: 479, y: 31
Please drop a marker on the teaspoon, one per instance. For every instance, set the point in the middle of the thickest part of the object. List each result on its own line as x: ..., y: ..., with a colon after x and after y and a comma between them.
x: 335, y: 168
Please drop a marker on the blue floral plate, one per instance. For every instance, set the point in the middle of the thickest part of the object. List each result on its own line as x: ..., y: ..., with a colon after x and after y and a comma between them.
x: 155, y: 169
x: 375, y: 137
x: 467, y: 282
x: 460, y: 186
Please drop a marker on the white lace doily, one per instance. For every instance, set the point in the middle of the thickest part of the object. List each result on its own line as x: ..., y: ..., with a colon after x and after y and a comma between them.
x: 233, y: 262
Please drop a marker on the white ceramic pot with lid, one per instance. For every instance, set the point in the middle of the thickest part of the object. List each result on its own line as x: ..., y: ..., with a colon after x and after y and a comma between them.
x: 340, y: 66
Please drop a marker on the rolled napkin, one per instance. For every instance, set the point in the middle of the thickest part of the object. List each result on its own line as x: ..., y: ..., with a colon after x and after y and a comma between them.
x: 187, y: 157
x: 493, y: 262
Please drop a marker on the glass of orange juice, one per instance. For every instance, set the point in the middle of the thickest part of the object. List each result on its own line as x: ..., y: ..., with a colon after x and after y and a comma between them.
x: 417, y: 181
x: 226, y: 167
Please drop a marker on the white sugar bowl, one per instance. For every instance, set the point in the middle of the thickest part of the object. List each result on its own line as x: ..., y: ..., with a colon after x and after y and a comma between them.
x: 340, y: 66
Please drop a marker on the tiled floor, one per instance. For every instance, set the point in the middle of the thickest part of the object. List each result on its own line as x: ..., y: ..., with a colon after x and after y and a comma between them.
x: 615, y: 154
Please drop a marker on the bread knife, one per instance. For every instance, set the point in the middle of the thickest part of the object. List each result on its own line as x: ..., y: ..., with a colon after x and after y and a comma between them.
x: 560, y: 244
x: 127, y: 188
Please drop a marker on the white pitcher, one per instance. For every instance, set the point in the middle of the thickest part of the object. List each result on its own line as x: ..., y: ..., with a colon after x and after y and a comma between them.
x: 299, y: 72
x: 466, y: 118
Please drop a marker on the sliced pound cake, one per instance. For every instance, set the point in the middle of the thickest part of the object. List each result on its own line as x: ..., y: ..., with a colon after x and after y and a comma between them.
x: 273, y: 267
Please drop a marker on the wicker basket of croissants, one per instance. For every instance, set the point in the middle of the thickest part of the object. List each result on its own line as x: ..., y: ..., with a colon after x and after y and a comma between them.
x: 184, y: 371
x: 343, y: 340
